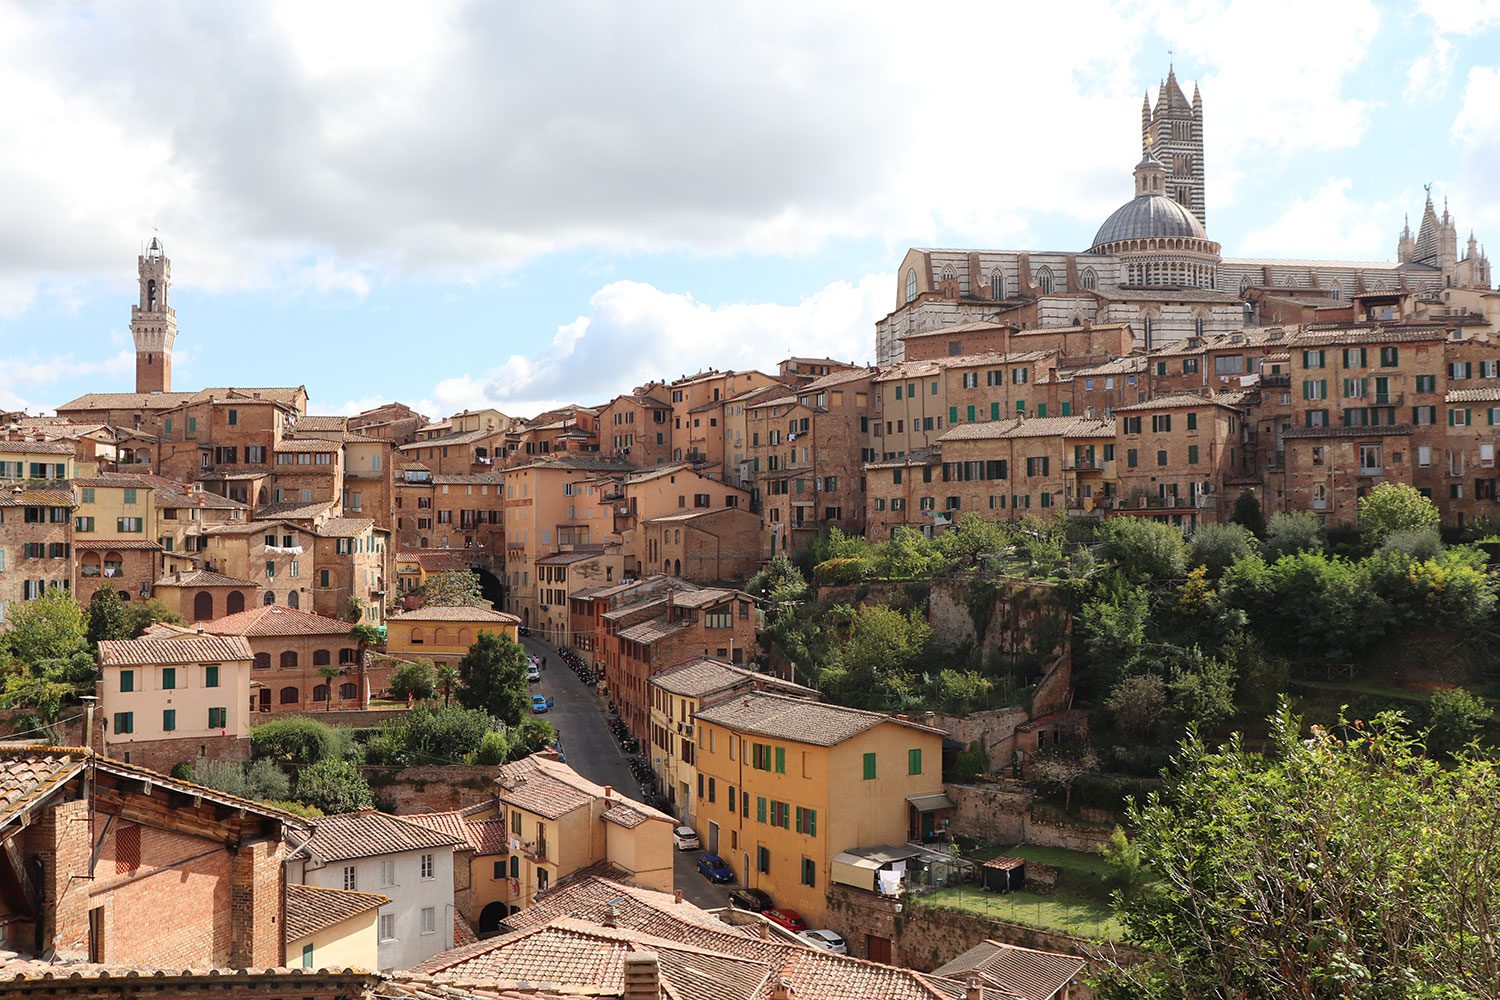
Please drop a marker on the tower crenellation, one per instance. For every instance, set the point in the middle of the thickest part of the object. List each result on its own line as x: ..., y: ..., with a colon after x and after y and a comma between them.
x: 153, y: 321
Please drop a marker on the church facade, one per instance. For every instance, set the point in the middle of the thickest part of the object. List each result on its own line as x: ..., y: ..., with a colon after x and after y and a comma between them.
x: 1152, y: 264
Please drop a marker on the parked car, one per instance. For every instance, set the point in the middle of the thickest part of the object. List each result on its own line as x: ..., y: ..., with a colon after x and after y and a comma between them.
x: 540, y: 704
x: 557, y: 746
x: 713, y: 868
x: 533, y: 672
x: 686, y: 838
x: 750, y: 899
x: 789, y: 919
x: 826, y: 940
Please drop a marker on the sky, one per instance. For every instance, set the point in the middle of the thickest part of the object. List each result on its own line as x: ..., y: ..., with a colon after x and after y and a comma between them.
x: 462, y: 204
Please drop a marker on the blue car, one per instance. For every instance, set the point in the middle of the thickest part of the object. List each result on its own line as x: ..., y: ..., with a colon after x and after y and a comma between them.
x: 540, y: 704
x: 713, y: 868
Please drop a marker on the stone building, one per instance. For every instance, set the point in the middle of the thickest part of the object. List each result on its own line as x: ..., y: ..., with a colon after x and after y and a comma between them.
x: 300, y: 661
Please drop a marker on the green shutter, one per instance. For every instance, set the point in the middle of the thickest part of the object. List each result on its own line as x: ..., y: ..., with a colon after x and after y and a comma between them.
x: 969, y: 413
x: 914, y: 761
x: 869, y: 767
x: 169, y: 720
x: 127, y: 680
x: 994, y: 411
x: 168, y: 678
x: 760, y: 808
x: 1067, y: 409
x: 211, y: 676
x: 1192, y: 454
x: 781, y: 760
x: 952, y: 415
x: 812, y: 823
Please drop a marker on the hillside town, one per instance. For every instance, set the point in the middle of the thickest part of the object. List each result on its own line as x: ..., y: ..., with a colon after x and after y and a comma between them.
x: 833, y: 680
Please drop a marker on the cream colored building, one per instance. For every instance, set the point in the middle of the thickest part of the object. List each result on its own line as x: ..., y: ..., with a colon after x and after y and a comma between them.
x: 444, y: 634
x: 172, y: 699
x: 332, y: 928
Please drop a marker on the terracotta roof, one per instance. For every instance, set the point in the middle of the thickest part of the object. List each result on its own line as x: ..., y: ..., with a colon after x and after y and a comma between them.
x: 55, y: 979
x: 251, y: 527
x: 36, y: 447
x: 625, y: 816
x: 188, y: 649
x: 1031, y: 427
x: 1378, y: 335
x: 552, y: 789
x: 275, y: 619
x: 310, y: 908
x: 126, y: 401
x: 290, y: 445
x: 365, y: 834
x: 1025, y: 972
x: 452, y: 613
x: 468, y: 478
x: 984, y: 358
x: 568, y: 558
x: 704, y: 596
x: 705, y: 675
x: 435, y: 560
x: 1174, y: 399
x: 482, y: 836
x: 122, y: 544
x: 343, y: 527
x: 42, y: 497
x: 1132, y: 365
x: 110, y: 482
x: 296, y: 510
x: 27, y: 778
x: 651, y: 630
x: 1486, y: 395
x: 204, y: 578
x: 797, y: 720
x: 833, y: 379
x: 311, y: 422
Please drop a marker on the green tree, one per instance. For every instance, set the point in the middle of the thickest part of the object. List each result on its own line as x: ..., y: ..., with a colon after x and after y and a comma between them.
x: 412, y: 681
x: 329, y: 674
x: 1216, y: 547
x: 779, y: 582
x: 364, y: 636
x: 907, y: 555
x: 972, y: 537
x: 1059, y: 769
x: 334, y: 786
x: 873, y: 669
x: 1454, y: 719
x: 443, y: 735
x: 1290, y: 533
x: 453, y: 588
x: 447, y: 681
x: 1393, y: 507
x: 1338, y: 864
x: 493, y: 748
x: 300, y: 741
x: 1144, y: 549
x: 1113, y: 627
x: 530, y: 736
x: 1123, y: 858
x: 48, y: 628
x: 1418, y: 543
x: 141, y: 615
x: 1248, y: 515
x: 493, y: 672
x: 1137, y: 704
x: 107, y: 618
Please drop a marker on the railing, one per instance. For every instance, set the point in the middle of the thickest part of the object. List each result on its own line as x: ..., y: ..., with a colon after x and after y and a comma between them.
x: 1276, y: 381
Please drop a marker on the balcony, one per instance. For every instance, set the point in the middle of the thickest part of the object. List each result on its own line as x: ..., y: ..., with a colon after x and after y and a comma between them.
x: 1276, y: 381
x: 536, y: 850
x: 1371, y: 470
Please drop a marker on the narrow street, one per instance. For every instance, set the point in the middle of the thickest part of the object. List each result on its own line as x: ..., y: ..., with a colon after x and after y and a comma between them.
x: 578, y: 714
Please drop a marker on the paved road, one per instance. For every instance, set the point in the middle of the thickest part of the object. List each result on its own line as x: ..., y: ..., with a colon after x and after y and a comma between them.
x: 592, y: 751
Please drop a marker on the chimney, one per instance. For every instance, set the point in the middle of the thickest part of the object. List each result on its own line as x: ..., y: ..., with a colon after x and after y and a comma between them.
x: 608, y: 791
x: 676, y: 895
x: 765, y: 929
x: 783, y: 990
x: 611, y: 915
x: 642, y: 976
x: 972, y: 990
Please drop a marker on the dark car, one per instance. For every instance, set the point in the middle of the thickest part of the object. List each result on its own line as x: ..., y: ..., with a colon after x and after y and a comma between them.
x: 713, y: 868
x: 750, y: 899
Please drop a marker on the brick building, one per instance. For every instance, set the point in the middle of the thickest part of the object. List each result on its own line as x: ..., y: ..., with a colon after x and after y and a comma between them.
x: 292, y: 651
x: 1172, y: 455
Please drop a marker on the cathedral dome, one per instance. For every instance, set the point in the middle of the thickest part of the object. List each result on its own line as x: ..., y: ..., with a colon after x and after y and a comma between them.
x: 1149, y: 216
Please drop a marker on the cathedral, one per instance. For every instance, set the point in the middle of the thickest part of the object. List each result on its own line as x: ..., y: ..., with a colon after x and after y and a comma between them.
x: 1152, y: 265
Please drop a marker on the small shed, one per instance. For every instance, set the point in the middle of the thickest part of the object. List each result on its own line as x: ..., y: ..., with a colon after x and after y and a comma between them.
x: 1004, y: 873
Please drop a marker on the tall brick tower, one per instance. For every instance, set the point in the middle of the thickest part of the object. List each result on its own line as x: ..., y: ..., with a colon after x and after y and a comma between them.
x: 1173, y: 129
x: 153, y: 323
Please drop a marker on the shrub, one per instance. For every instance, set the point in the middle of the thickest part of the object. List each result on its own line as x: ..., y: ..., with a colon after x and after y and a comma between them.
x: 1419, y: 543
x: 493, y: 748
x: 444, y: 735
x: 334, y: 786
x: 1392, y: 507
x: 1219, y: 546
x: 1137, y: 704
x: 1454, y: 719
x: 1290, y: 533
x: 970, y: 764
x: 300, y: 741
x: 834, y: 572
x: 1144, y: 549
x: 413, y: 680
x: 1109, y: 791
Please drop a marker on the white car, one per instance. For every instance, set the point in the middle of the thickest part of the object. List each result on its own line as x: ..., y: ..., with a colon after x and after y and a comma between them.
x: 532, y: 672
x: 826, y: 940
x: 686, y: 839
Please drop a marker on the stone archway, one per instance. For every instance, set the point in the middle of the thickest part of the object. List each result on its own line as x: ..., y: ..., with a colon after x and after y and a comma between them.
x: 490, y: 918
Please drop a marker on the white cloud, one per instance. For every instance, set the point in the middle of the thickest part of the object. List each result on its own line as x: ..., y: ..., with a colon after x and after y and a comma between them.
x: 1476, y: 130
x: 1430, y: 72
x: 636, y: 332
x: 1329, y: 224
x: 1461, y: 17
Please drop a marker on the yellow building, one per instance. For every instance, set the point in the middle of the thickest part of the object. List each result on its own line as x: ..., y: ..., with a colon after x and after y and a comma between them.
x: 444, y: 634
x: 545, y: 822
x: 677, y: 694
x: 172, y: 699
x: 114, y: 536
x: 332, y: 928
x: 37, y: 461
x: 789, y: 783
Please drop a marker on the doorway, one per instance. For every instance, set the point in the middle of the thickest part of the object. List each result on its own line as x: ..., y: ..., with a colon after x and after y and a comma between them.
x: 878, y: 949
x: 713, y: 837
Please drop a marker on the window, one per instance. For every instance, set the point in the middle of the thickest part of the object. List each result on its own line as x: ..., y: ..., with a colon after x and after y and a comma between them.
x: 387, y: 925
x: 1161, y: 457
x: 1315, y: 389
x: 760, y: 808
x: 1427, y: 383
x: 124, y: 722
x: 807, y: 821
x: 911, y: 285
x: 169, y: 720
x: 1192, y: 421
x: 83, y: 524
x: 211, y: 676
x: 869, y: 767
x: 1132, y: 425
x: 127, y: 680
x: 234, y: 417
x: 307, y: 956
x: 763, y: 860
x: 809, y: 871
x: 1460, y: 418
x: 130, y: 496
x: 1389, y: 357
x: 130, y: 525
x: 427, y: 866
x: 914, y: 761
x: 218, y: 718
x: 168, y: 678
x: 1192, y: 454
x: 429, y: 920
x: 1355, y: 357
x: 1132, y: 458
x: 350, y: 882
x: 387, y: 873
x: 1161, y: 422
x: 88, y: 494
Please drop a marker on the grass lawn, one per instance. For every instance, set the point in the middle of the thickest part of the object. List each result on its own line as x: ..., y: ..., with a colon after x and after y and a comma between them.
x: 1063, y: 860
x: 1080, y: 907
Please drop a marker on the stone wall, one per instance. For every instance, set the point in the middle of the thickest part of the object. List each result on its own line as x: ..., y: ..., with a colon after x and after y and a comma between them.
x: 430, y: 787
x: 1000, y: 813
x: 67, y: 732
x: 994, y: 729
x: 372, y: 718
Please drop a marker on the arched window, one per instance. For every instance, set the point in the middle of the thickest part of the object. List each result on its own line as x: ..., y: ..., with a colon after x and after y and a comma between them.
x: 1044, y: 280
x: 911, y: 285
x: 320, y: 692
x: 262, y: 661
x: 289, y: 696
x: 348, y: 655
x: 442, y: 636
x: 322, y: 657
x: 997, y: 284
x: 465, y: 637
x: 269, y: 599
x: 203, y: 606
x: 1090, y: 280
x: 418, y: 635
x: 289, y: 658
x: 151, y: 295
x: 234, y: 603
x: 677, y: 567
x: 348, y: 692
x: 948, y: 274
x: 292, y: 600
